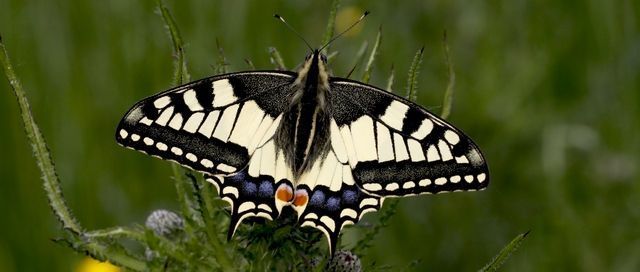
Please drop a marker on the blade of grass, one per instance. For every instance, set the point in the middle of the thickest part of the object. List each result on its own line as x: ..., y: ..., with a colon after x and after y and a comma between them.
x: 412, y: 81
x: 447, y: 102
x: 358, y: 58
x: 374, y: 52
x: 222, y: 64
x: 391, y: 79
x: 181, y: 75
x: 504, y: 254
x: 116, y: 232
x: 40, y: 150
x: 250, y: 64
x: 331, y: 24
x: 276, y: 59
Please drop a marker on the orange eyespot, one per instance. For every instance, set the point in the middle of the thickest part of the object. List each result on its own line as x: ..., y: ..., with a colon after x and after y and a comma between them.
x: 284, y: 193
x: 301, y: 198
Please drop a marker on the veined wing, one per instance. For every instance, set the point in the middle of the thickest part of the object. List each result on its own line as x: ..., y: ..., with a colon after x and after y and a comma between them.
x: 333, y: 200
x: 212, y: 125
x: 396, y: 148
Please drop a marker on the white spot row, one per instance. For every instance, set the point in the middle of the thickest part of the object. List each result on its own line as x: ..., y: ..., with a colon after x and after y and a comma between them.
x: 374, y: 187
x: 177, y: 151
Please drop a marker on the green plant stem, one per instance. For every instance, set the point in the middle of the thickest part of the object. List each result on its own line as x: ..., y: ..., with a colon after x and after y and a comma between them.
x: 116, y: 232
x: 52, y: 182
x: 358, y: 58
x: 180, y: 74
x: 116, y: 256
x: 391, y: 79
x: 331, y: 24
x: 276, y: 59
x: 40, y: 149
x: 374, y: 52
x: 504, y: 254
x: 412, y: 81
x: 447, y: 102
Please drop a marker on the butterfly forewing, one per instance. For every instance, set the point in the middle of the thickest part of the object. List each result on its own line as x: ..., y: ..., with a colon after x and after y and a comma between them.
x: 396, y: 148
x: 211, y: 125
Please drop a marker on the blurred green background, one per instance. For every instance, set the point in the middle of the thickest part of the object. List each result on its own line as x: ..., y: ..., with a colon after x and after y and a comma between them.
x: 548, y: 89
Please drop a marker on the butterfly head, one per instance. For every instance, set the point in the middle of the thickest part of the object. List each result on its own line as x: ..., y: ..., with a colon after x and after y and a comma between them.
x: 317, y: 54
x: 314, y: 69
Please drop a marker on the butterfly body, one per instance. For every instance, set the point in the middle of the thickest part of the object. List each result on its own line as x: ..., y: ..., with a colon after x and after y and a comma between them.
x: 330, y: 148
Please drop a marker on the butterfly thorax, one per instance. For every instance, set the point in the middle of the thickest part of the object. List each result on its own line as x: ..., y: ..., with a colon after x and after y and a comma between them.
x: 304, y: 135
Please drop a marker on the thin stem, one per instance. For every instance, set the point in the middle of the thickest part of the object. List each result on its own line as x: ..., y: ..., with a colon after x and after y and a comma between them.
x: 374, y: 52
x: 447, y: 102
x: 40, y: 150
x: 412, y: 84
x: 504, y: 254
x: 331, y: 24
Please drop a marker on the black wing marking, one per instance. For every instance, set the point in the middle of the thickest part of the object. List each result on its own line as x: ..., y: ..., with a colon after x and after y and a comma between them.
x: 195, y: 124
x: 397, y: 148
x: 334, y: 200
x: 251, y: 191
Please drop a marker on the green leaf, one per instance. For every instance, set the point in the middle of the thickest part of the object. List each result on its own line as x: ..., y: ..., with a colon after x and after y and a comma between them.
x: 390, y: 80
x: 40, y: 150
x: 447, y: 102
x: 180, y: 75
x: 358, y: 59
x: 221, y: 64
x: 331, y: 24
x: 504, y: 254
x: 276, y: 59
x: 374, y: 51
x: 412, y: 81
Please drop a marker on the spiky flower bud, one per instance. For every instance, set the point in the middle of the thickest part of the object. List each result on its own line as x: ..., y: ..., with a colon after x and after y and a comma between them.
x: 345, y: 261
x: 165, y: 223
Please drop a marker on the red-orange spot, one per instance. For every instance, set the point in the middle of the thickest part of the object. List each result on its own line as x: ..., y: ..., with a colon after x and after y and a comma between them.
x: 301, y: 198
x: 284, y: 193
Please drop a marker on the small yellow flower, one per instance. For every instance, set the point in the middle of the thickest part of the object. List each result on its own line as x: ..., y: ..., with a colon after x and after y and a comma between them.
x: 91, y: 265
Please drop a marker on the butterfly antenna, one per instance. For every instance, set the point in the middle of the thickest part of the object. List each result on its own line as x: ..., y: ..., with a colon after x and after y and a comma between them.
x: 345, y: 31
x: 294, y: 31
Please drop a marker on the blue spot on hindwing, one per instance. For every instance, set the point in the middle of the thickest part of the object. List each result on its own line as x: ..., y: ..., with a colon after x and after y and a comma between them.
x: 349, y: 197
x: 333, y: 204
x: 317, y: 198
x: 249, y: 188
x: 266, y: 189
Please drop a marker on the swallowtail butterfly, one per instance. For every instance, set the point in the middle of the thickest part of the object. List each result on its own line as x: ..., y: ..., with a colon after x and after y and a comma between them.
x: 331, y: 148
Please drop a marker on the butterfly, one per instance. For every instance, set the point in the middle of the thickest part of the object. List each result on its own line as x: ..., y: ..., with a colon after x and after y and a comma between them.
x: 330, y: 148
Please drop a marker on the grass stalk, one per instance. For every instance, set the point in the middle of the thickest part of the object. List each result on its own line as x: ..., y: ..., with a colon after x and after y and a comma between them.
x: 40, y: 150
x: 447, y: 102
x: 504, y: 254
x: 412, y: 81
x: 366, y: 76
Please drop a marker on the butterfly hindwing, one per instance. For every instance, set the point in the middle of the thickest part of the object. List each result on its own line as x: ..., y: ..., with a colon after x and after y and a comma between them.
x: 334, y: 200
x: 212, y: 125
x: 252, y: 190
x: 397, y: 148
